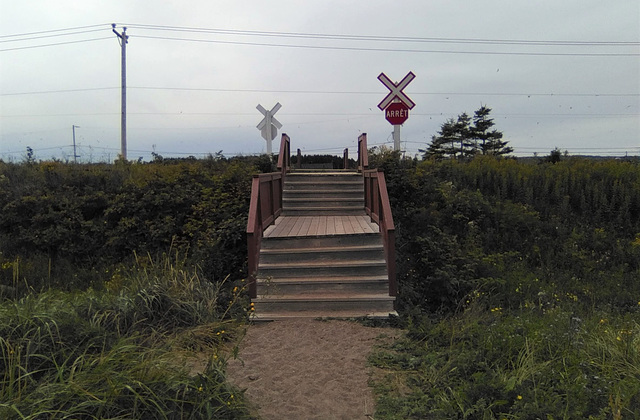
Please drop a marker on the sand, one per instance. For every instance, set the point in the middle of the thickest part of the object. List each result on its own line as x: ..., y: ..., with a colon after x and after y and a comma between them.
x: 308, y: 369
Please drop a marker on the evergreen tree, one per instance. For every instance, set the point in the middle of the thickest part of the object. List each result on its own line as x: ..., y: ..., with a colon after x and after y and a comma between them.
x: 463, y: 133
x: 453, y: 139
x: 444, y: 143
x: 458, y: 138
x: 487, y: 140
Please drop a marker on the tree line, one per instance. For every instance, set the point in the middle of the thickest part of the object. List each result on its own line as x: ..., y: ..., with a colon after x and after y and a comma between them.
x: 468, y: 136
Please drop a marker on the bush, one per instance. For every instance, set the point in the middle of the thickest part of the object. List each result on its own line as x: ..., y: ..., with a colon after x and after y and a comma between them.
x: 64, y: 225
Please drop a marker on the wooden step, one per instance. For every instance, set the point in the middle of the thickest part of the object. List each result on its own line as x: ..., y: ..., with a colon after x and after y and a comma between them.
x: 321, y: 241
x: 322, y: 202
x: 323, y: 193
x: 322, y: 268
x: 361, y: 303
x: 323, y: 285
x: 298, y: 171
x: 330, y: 253
x: 292, y: 211
x: 323, y: 183
x: 281, y: 316
x: 327, y: 182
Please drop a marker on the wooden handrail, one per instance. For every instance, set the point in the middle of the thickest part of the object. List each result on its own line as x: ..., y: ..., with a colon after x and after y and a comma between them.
x: 264, y: 208
x: 284, y: 157
x: 363, y: 153
x: 378, y: 207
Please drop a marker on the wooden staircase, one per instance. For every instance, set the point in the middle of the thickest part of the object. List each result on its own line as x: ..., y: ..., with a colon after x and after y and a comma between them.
x: 322, y: 257
x: 319, y: 192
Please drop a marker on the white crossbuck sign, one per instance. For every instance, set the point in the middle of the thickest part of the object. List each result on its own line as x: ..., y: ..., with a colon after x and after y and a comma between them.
x: 396, y: 91
x: 269, y: 126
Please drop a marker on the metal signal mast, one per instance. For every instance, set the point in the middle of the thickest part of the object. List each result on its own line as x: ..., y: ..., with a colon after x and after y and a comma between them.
x: 123, y: 122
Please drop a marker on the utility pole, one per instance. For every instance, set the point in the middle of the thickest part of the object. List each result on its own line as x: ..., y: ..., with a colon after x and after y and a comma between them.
x: 75, y: 156
x: 123, y: 122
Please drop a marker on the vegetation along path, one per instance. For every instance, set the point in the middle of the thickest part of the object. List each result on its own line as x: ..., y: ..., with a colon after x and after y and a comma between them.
x: 308, y: 369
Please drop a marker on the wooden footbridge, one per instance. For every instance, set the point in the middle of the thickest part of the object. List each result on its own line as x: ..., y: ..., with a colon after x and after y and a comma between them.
x: 321, y: 242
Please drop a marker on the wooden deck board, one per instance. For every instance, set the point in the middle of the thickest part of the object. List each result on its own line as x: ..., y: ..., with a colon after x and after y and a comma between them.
x: 287, y: 224
x: 297, y: 226
x: 331, y: 225
x: 322, y: 225
x: 313, y: 226
x: 355, y: 225
x: 366, y: 225
x: 306, y: 224
x: 319, y: 225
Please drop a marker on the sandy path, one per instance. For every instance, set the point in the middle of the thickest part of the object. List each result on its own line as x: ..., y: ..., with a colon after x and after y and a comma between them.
x: 307, y: 369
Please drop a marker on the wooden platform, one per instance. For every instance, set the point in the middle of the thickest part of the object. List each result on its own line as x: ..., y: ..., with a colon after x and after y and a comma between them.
x: 290, y: 226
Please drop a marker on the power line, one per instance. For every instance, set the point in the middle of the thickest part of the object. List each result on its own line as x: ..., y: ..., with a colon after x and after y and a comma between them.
x: 53, y: 31
x: 335, y: 37
x: 42, y: 92
x: 343, y: 37
x: 338, y: 149
x: 51, y: 36
x: 328, y: 92
x: 378, y: 92
x: 383, y: 38
x: 395, y: 50
x: 53, y: 45
x: 325, y: 114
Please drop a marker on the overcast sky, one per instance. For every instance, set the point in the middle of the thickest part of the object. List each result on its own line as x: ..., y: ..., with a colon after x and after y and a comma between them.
x: 557, y: 73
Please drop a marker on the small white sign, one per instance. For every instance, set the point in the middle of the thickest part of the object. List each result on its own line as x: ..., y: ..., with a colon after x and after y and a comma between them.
x: 269, y: 126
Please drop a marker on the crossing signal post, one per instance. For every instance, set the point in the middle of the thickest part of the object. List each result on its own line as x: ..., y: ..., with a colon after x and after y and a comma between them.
x: 396, y: 104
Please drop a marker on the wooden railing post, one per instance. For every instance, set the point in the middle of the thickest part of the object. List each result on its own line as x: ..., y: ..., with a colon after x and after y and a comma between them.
x: 284, y: 157
x: 345, y: 159
x: 363, y: 153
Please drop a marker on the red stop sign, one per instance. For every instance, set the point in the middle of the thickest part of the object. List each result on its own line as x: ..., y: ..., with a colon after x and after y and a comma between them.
x: 396, y: 113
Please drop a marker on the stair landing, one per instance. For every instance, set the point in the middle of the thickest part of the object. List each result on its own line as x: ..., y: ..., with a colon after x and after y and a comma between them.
x: 290, y: 226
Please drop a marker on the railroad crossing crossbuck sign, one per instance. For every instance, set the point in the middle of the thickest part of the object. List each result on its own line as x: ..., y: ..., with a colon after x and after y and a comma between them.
x: 396, y: 104
x: 269, y: 126
x: 396, y: 91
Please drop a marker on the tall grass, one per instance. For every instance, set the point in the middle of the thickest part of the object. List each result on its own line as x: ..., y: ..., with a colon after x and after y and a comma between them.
x: 490, y: 363
x: 124, y: 352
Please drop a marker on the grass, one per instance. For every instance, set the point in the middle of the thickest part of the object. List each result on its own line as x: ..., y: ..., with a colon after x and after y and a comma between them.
x: 529, y: 363
x: 126, y: 352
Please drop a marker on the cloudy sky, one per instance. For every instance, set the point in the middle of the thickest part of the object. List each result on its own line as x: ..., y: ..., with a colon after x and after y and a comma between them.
x: 557, y: 73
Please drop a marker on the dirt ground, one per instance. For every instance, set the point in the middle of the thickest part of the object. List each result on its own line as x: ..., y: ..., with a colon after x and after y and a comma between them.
x: 308, y: 369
